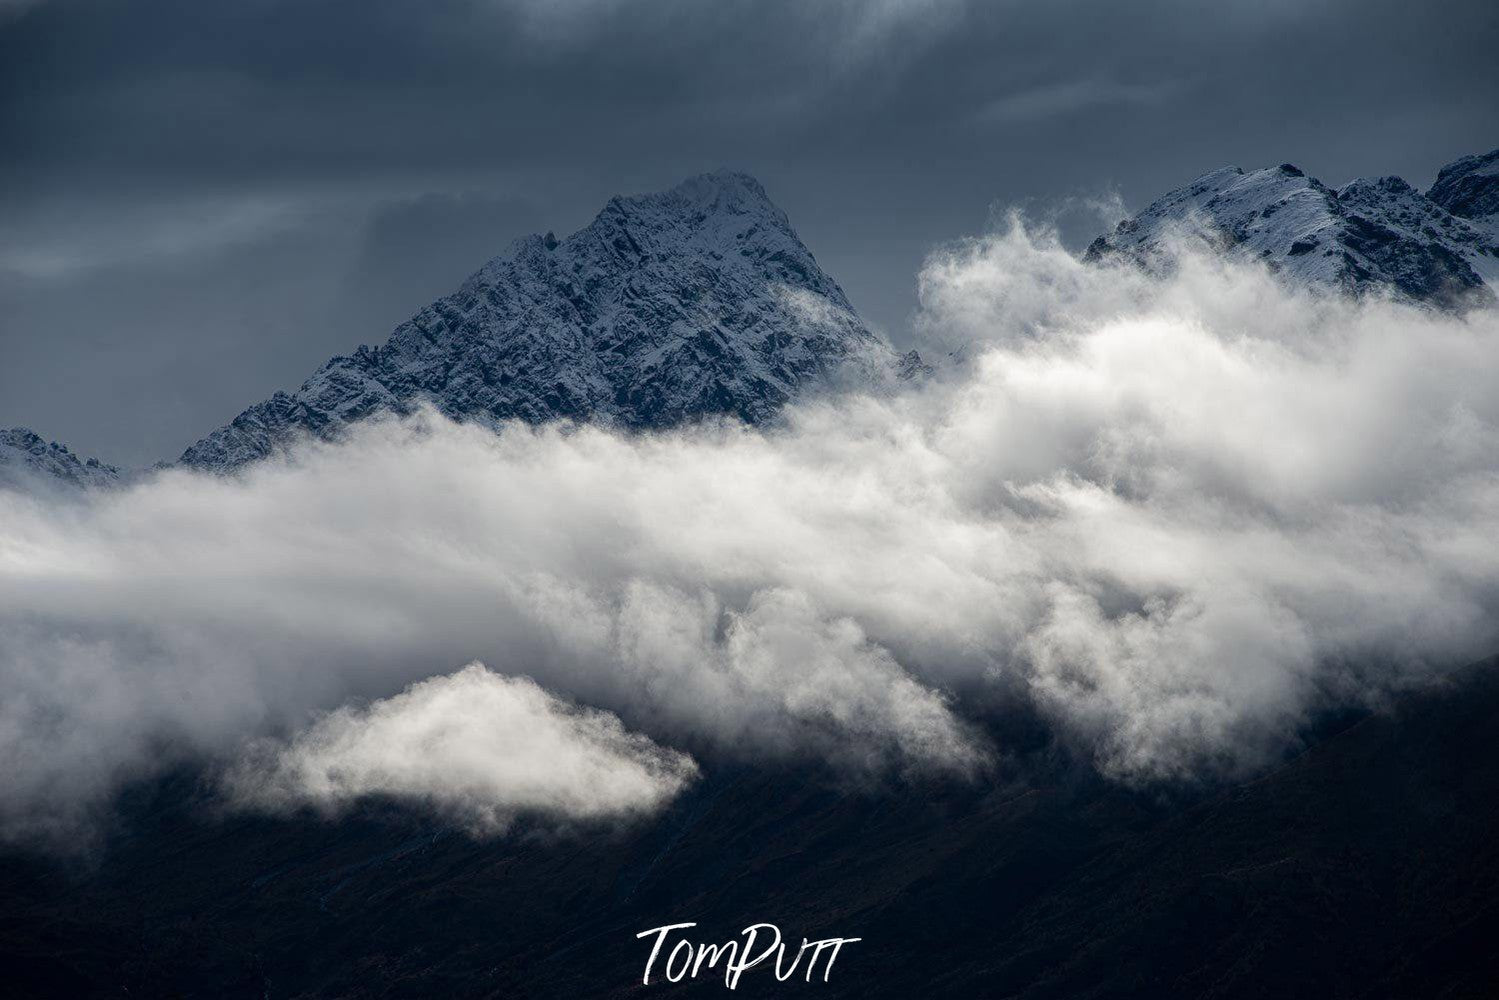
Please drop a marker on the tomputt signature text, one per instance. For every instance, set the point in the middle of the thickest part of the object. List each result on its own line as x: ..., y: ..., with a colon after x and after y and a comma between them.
x: 686, y: 960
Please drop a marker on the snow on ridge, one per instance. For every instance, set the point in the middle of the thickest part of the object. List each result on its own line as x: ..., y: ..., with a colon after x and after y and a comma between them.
x: 27, y: 459
x: 1469, y: 188
x: 666, y: 308
x: 1372, y: 235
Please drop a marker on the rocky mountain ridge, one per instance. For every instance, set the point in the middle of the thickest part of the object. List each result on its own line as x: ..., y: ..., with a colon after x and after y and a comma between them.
x: 699, y: 301
x: 1371, y: 235
x: 27, y: 458
x: 1469, y: 189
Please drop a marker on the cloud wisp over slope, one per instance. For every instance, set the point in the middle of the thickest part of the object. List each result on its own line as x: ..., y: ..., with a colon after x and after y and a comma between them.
x: 1177, y: 516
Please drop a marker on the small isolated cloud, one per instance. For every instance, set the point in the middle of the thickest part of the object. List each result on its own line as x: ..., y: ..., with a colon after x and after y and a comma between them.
x: 479, y: 747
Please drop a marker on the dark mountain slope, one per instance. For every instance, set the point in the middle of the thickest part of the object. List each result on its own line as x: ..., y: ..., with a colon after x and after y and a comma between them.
x: 1366, y: 867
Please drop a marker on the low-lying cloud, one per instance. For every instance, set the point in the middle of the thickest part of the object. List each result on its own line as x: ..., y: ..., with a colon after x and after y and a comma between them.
x: 478, y: 747
x: 1176, y: 516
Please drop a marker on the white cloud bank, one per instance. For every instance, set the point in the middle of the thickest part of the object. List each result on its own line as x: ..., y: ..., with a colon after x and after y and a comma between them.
x: 1175, y: 515
x: 478, y: 747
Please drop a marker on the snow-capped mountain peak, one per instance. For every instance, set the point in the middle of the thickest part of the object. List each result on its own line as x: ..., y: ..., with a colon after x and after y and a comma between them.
x: 696, y: 301
x: 1372, y: 234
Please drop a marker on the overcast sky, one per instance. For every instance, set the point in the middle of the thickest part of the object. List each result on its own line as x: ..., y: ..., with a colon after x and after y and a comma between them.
x: 202, y: 201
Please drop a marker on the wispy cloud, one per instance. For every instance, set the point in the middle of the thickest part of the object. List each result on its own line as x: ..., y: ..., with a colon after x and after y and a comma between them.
x: 59, y: 246
x: 1059, y: 100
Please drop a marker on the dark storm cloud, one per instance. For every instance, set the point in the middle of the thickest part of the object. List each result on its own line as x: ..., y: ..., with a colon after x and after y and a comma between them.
x: 200, y: 201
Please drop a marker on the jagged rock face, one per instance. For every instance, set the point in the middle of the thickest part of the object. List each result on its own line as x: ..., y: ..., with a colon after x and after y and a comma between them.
x: 694, y: 302
x: 26, y: 459
x: 1469, y: 189
x: 1371, y: 235
x: 1435, y: 256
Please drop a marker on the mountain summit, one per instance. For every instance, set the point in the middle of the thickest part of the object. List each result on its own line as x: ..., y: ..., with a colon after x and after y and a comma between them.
x: 1378, y: 234
x: 696, y: 301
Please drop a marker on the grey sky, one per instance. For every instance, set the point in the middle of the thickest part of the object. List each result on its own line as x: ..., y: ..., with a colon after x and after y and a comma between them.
x: 200, y: 202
